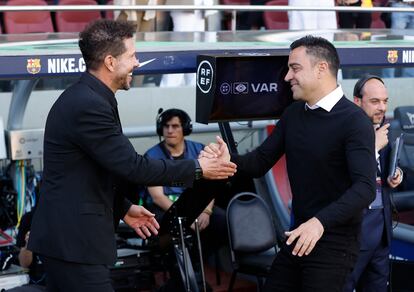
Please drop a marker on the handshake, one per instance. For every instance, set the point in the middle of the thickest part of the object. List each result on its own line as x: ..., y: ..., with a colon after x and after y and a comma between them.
x: 215, y: 161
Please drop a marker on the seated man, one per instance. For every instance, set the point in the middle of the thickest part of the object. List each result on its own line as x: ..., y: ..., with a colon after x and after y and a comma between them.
x: 28, y: 259
x: 173, y: 125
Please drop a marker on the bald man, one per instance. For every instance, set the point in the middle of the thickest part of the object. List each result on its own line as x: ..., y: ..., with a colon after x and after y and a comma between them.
x: 371, y: 271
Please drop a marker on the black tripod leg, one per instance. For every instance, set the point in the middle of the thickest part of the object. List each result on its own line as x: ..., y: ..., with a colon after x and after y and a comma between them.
x: 200, y: 254
x: 184, y: 262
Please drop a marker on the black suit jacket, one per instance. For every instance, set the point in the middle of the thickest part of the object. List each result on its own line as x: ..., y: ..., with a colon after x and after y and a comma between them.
x: 371, y: 231
x: 87, y: 164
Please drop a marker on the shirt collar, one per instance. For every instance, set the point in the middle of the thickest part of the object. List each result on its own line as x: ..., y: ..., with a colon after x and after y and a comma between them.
x: 100, y: 87
x: 328, y: 102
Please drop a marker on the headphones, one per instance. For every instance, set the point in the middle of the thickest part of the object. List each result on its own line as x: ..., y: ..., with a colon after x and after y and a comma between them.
x: 164, y: 116
x: 361, y: 82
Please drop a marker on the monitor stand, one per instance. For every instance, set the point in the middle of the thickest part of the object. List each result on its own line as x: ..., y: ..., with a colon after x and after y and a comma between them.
x: 175, y: 227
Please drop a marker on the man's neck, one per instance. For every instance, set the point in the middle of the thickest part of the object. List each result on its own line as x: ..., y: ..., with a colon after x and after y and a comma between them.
x: 104, y: 78
x: 321, y: 94
x: 175, y: 150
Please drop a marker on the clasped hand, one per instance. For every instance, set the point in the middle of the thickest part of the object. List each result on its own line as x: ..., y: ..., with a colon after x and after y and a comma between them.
x: 215, y: 161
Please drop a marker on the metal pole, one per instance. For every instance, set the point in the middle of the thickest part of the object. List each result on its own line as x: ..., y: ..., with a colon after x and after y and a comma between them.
x: 200, y: 253
x: 233, y: 20
x: 227, y: 134
x: 187, y: 280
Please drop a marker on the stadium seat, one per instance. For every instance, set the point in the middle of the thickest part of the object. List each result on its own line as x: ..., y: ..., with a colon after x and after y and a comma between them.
x: 27, y: 21
x: 75, y: 21
x: 377, y: 21
x: 109, y: 14
x: 276, y: 19
x: 403, y: 123
x: 252, y: 236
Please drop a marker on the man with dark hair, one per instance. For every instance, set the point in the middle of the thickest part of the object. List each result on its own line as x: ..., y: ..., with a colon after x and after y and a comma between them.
x: 173, y: 125
x: 329, y: 146
x: 371, y: 271
x: 90, y: 166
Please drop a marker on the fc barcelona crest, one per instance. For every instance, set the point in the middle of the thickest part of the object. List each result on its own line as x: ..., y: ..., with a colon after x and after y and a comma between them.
x: 33, y: 66
x: 392, y: 56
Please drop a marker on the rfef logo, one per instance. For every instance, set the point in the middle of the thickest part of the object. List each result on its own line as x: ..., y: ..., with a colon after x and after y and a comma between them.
x: 205, y: 76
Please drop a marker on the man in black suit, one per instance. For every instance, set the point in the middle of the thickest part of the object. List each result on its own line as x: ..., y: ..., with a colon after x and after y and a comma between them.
x: 329, y: 146
x: 88, y: 164
x: 372, y: 269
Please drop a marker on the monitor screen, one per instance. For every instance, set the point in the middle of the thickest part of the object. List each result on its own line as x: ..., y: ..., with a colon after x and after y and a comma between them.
x: 240, y: 88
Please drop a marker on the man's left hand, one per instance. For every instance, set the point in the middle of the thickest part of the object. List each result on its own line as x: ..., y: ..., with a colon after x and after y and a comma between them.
x: 396, y: 180
x: 203, y: 221
x: 307, y: 235
x: 142, y: 221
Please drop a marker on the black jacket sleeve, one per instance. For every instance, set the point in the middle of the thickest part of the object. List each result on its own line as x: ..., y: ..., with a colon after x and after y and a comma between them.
x: 360, y: 157
x: 103, y: 141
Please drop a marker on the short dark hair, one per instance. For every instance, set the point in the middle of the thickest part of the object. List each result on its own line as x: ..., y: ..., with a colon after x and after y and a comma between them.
x: 103, y: 37
x: 166, y: 116
x: 321, y: 49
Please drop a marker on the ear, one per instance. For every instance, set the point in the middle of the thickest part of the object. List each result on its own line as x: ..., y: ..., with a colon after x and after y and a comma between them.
x: 357, y: 100
x: 110, y: 63
x: 323, y: 67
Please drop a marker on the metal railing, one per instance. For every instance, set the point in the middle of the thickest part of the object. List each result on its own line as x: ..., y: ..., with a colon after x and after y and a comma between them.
x: 230, y: 8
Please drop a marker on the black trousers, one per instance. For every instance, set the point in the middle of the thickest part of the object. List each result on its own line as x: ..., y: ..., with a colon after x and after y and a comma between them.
x: 323, y: 270
x: 65, y: 276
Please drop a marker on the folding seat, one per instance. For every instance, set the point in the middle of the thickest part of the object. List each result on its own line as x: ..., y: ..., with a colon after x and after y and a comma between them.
x: 252, y: 237
x: 403, y: 123
x: 75, y: 21
x: 27, y: 21
x: 276, y: 19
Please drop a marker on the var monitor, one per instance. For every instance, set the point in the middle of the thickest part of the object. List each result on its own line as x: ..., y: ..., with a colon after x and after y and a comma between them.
x: 241, y: 87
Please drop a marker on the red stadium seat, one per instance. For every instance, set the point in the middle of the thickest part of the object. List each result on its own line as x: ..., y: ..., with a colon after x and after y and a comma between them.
x: 27, y: 21
x: 377, y: 21
x: 75, y: 21
x: 109, y: 14
x: 276, y: 19
x: 376, y: 16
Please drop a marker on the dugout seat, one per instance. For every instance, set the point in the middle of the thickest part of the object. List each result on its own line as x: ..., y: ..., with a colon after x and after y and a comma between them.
x: 27, y: 21
x: 75, y: 21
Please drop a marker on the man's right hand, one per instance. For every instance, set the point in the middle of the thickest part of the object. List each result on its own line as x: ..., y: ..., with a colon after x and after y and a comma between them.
x: 216, y: 168
x: 216, y: 160
x: 381, y: 137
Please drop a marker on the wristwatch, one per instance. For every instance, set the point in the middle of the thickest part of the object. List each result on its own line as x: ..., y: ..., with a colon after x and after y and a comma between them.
x: 198, y: 170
